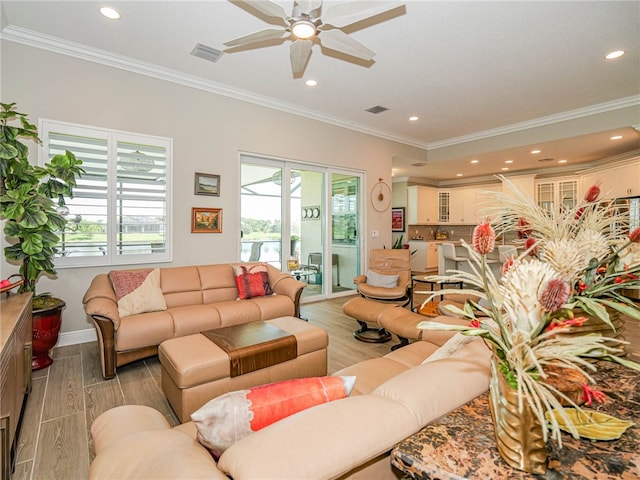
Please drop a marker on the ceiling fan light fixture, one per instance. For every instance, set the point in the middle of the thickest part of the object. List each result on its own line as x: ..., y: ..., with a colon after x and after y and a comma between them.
x: 303, y: 29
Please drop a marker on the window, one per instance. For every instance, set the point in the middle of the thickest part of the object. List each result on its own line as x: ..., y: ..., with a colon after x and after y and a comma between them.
x: 120, y: 213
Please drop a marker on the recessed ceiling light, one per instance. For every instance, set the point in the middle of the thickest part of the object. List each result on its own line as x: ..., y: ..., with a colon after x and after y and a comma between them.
x: 311, y: 83
x: 536, y: 151
x: 459, y: 174
x: 614, y: 54
x: 504, y: 169
x: 616, y: 137
x: 414, y: 118
x: 562, y: 161
x: 109, y: 12
x: 508, y: 161
x: 475, y: 161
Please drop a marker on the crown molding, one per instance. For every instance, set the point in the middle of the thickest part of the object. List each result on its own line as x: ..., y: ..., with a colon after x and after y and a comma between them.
x: 83, y: 52
x: 632, y: 101
x: 65, y: 47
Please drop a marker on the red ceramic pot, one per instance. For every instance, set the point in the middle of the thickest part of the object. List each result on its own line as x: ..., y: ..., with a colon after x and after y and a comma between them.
x: 46, y: 326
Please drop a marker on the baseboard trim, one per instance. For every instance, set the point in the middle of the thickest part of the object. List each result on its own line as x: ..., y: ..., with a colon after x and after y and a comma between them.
x: 76, y: 337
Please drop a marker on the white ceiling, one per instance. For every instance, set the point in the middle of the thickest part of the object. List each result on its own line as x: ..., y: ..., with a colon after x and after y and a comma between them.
x: 467, y: 69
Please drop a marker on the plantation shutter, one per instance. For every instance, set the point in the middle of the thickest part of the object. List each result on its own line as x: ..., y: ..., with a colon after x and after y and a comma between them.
x: 120, y: 210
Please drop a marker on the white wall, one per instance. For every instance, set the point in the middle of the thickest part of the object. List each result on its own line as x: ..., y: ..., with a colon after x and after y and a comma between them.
x: 208, y: 131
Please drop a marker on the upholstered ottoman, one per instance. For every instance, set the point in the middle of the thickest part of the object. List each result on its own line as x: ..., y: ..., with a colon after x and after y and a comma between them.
x: 195, y: 369
x: 367, y: 312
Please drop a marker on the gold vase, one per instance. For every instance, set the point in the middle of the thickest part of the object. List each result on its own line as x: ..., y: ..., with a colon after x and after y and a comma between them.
x: 519, y: 435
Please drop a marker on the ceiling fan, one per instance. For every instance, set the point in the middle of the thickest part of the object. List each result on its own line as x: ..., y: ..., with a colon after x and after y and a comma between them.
x: 308, y: 23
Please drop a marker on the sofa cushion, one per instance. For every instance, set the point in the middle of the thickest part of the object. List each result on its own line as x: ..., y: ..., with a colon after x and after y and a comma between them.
x: 252, y: 281
x: 232, y: 416
x: 376, y: 279
x: 137, y: 291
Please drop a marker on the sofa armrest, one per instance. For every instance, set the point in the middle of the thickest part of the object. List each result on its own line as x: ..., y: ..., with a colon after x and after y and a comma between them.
x: 100, y: 303
x: 100, y: 300
x: 360, y: 279
x: 284, y: 284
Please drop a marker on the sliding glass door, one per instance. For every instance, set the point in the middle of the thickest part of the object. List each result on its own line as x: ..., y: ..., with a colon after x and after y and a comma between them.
x: 302, y: 219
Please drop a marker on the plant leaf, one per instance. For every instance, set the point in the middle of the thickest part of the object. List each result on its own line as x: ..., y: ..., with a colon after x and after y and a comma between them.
x: 591, y: 424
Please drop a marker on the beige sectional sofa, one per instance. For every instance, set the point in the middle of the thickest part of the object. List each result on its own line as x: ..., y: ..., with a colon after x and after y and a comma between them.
x: 197, y: 298
x: 394, y: 397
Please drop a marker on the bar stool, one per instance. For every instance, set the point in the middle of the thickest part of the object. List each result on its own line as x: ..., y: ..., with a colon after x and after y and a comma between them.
x: 451, y: 259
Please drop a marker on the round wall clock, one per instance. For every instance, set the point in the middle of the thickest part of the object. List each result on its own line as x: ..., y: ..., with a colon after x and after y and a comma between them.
x: 381, y: 196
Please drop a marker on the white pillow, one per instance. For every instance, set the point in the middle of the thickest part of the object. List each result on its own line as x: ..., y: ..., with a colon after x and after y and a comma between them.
x: 379, y: 280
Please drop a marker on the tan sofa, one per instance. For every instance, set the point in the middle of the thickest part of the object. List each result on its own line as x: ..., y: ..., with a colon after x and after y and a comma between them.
x: 394, y: 397
x: 198, y: 298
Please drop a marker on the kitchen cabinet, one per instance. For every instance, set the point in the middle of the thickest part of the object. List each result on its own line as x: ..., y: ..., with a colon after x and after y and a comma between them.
x: 424, y: 256
x: 422, y: 205
x: 524, y: 184
x: 418, y: 256
x: 15, y: 373
x: 625, y: 181
x: 469, y: 206
x: 557, y: 194
x: 432, y: 255
x: 615, y: 181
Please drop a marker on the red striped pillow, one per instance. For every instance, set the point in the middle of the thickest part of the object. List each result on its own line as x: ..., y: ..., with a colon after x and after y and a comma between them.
x: 252, y: 281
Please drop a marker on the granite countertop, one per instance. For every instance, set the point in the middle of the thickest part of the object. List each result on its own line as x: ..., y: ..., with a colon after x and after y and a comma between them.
x: 461, y: 445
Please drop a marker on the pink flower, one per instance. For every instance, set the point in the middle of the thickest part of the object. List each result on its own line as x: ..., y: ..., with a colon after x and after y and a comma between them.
x: 634, y: 236
x: 474, y: 323
x: 531, y: 242
x: 523, y: 231
x: 508, y: 263
x: 571, y: 322
x: 554, y: 295
x: 484, y: 238
x: 592, y: 194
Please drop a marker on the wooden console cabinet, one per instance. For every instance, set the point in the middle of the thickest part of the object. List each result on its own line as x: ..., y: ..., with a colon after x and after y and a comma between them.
x: 15, y: 373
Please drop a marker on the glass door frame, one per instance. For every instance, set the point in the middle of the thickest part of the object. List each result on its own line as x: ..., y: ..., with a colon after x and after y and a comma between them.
x: 285, y: 216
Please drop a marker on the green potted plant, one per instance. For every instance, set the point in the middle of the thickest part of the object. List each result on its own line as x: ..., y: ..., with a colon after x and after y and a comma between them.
x: 33, y: 220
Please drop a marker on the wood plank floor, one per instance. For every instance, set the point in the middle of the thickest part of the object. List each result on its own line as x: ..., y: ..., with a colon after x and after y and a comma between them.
x: 55, y: 443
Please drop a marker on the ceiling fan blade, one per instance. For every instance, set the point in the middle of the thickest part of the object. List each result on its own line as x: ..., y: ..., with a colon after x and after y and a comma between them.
x: 341, y: 42
x: 307, y: 6
x: 345, y: 14
x: 300, y: 51
x: 268, y: 34
x: 269, y: 8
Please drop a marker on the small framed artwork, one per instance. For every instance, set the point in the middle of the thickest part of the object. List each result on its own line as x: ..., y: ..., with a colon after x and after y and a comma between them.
x: 207, y: 184
x: 397, y: 219
x: 206, y: 220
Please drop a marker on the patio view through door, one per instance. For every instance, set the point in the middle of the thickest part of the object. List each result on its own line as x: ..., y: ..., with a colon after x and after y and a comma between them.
x: 292, y: 229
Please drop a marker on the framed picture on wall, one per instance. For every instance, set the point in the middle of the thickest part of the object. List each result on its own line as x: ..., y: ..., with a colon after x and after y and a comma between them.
x: 397, y: 219
x: 206, y: 220
x: 207, y: 184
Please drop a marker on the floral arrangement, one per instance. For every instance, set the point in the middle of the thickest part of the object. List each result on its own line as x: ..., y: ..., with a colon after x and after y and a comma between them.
x: 574, y: 262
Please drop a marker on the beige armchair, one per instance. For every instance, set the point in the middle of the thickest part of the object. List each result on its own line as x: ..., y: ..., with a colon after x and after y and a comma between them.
x: 388, y: 280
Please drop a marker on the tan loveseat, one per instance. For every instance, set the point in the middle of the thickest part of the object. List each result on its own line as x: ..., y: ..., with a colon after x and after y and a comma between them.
x: 198, y: 298
x: 394, y: 397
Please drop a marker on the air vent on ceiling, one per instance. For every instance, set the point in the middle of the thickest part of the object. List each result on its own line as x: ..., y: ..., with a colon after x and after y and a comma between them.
x: 206, y: 53
x: 546, y: 160
x: 377, y: 109
x: 418, y: 164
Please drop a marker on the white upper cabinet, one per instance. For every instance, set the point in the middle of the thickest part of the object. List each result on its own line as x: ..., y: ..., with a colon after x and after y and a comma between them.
x: 422, y: 205
x: 615, y: 182
x: 555, y: 195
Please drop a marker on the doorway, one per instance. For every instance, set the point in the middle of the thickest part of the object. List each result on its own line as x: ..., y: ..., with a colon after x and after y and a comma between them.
x: 303, y: 219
